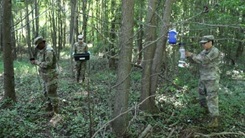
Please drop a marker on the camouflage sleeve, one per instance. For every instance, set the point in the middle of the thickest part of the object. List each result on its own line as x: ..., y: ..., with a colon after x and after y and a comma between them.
x: 205, y: 58
x: 48, y: 60
x: 86, y: 48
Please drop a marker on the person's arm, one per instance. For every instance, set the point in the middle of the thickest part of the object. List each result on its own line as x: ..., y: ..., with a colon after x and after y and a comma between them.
x: 205, y: 58
x: 49, y: 55
x: 86, y: 49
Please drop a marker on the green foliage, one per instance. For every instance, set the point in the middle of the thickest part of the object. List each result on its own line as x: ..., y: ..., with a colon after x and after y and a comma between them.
x: 75, y: 129
x: 177, y: 97
x: 23, y: 67
x: 14, y: 125
x: 238, y: 4
x: 178, y: 105
x: 136, y: 75
x: 20, y: 67
x: 1, y: 66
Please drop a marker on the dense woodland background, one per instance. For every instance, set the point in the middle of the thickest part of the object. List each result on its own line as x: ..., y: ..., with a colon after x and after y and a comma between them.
x: 133, y: 87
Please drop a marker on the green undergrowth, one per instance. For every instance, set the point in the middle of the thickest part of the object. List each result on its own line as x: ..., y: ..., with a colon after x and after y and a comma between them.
x: 86, y: 108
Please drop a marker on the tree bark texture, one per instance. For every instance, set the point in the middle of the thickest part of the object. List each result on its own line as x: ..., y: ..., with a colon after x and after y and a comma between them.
x: 72, y: 31
x: 37, y: 19
x: 124, y: 68
x: 28, y: 29
x: 1, y: 26
x: 149, y: 49
x: 9, y: 86
x: 161, y: 47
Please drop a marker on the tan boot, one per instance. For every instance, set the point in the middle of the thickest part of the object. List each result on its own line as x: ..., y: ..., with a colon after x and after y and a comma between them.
x: 204, y: 110
x: 214, y: 123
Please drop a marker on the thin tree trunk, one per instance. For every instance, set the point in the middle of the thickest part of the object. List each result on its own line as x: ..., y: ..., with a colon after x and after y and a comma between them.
x: 9, y: 86
x: 53, y: 30
x: 37, y: 19
x: 124, y: 68
x: 85, y: 19
x: 1, y: 26
x: 111, y: 49
x: 60, y: 25
x: 161, y: 47
x: 240, y: 47
x: 73, y: 20
x: 149, y: 48
x: 72, y: 31
x: 13, y: 41
x: 28, y: 35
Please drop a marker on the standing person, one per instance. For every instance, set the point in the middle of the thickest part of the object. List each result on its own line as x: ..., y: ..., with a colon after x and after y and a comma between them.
x: 80, y: 47
x: 46, y: 61
x: 208, y: 61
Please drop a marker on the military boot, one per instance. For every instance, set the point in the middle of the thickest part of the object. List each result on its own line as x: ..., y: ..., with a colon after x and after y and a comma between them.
x: 205, y: 110
x: 49, y: 107
x: 55, y: 109
x: 214, y: 123
x: 77, y: 79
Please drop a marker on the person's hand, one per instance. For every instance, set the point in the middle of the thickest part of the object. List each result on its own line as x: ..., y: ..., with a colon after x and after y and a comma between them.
x: 33, y: 62
x: 188, y: 54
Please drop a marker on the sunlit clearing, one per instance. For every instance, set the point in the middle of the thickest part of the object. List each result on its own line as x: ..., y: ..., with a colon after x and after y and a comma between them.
x: 162, y: 99
x: 22, y: 68
x: 236, y: 74
x: 226, y: 90
x: 90, y: 45
x: 173, y: 98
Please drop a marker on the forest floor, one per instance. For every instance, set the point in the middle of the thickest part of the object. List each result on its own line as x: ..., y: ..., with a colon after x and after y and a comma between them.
x: 85, y: 109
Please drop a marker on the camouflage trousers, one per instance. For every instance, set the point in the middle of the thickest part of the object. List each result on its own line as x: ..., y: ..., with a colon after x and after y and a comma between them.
x: 208, y: 95
x: 80, y: 68
x: 50, y: 85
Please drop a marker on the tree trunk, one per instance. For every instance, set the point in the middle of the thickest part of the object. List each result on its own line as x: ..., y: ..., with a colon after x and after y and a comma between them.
x: 36, y: 19
x: 13, y: 41
x: 73, y: 20
x: 140, y: 34
x: 161, y: 47
x: 61, y: 27
x: 111, y: 49
x: 123, y: 75
x: 28, y: 35
x: 140, y: 43
x: 9, y: 86
x: 72, y: 31
x: 1, y: 27
x: 85, y: 19
x: 240, y: 47
x: 149, y: 48
x: 53, y: 30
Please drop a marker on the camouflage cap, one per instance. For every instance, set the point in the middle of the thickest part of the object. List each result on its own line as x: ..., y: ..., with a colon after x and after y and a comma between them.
x: 207, y: 38
x: 80, y: 36
x: 38, y: 40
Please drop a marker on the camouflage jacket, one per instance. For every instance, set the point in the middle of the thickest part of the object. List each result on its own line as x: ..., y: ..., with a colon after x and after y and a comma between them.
x: 80, y: 48
x: 208, y: 61
x: 46, y: 60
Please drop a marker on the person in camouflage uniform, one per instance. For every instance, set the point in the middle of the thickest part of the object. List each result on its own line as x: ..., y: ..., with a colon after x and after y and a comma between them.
x: 46, y: 61
x: 80, y: 66
x: 208, y: 60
